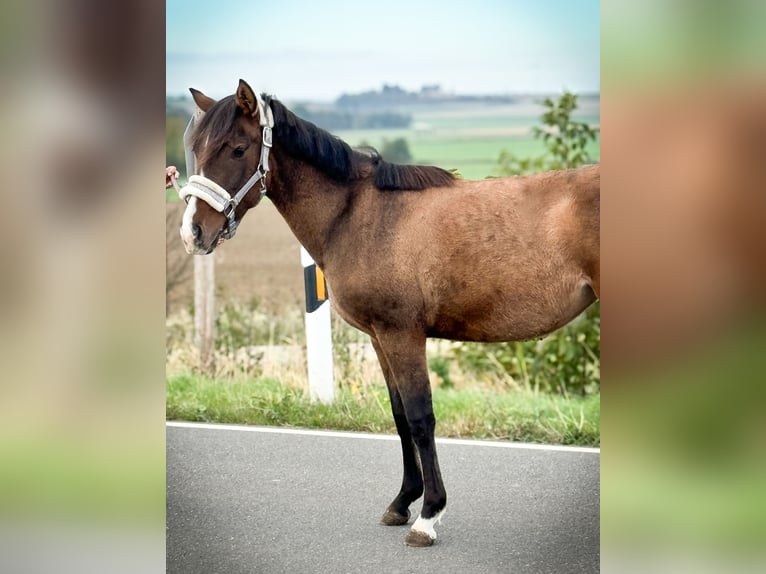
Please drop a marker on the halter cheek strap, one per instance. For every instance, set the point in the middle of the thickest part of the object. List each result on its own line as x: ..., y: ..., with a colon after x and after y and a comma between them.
x: 219, y: 198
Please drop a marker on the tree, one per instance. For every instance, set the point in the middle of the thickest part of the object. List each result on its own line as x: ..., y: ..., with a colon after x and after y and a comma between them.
x: 565, y: 141
x: 396, y: 151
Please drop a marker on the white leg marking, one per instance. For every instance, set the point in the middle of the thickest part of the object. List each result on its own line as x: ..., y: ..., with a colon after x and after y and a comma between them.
x: 187, y: 235
x: 426, y: 525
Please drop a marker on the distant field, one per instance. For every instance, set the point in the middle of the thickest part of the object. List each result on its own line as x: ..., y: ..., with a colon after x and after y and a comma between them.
x: 474, y: 156
x: 262, y: 261
x: 470, y: 137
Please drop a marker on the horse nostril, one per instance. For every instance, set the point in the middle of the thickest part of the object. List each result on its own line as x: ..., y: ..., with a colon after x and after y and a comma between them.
x: 196, y: 230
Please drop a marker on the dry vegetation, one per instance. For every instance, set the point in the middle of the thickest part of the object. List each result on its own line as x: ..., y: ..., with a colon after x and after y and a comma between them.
x: 262, y: 261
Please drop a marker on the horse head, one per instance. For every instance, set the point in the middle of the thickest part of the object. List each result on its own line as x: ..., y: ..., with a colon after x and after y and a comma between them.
x: 231, y: 144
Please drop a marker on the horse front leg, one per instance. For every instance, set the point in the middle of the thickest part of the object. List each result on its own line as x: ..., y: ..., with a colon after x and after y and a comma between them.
x: 405, y: 355
x: 398, y: 512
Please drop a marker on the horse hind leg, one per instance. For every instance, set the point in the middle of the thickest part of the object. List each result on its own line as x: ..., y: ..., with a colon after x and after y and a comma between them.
x: 398, y: 512
x: 405, y: 356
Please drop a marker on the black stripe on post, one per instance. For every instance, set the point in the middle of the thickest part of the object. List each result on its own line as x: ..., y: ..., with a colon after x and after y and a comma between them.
x: 315, y: 286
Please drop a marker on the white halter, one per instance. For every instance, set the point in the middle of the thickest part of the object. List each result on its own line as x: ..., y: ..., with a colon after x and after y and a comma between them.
x: 216, y: 196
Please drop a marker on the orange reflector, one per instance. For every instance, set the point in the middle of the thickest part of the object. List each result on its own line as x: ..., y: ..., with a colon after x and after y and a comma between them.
x: 321, y: 294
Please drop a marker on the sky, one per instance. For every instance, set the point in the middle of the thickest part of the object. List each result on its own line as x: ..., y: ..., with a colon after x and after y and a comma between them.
x: 319, y: 49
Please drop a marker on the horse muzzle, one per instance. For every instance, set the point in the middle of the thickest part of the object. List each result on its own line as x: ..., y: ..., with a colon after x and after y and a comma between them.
x: 216, y: 197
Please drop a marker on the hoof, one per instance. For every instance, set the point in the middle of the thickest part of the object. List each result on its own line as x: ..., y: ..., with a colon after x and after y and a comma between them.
x: 393, y: 518
x: 418, y: 539
x: 422, y: 532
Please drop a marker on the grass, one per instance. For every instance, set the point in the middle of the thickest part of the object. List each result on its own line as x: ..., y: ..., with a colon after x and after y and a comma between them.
x: 519, y: 416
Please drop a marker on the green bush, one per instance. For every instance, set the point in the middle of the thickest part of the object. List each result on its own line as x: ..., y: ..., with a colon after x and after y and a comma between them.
x: 565, y: 362
x: 440, y: 366
x: 565, y: 141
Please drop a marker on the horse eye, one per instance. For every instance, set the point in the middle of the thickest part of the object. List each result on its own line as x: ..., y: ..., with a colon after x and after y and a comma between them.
x: 239, y: 152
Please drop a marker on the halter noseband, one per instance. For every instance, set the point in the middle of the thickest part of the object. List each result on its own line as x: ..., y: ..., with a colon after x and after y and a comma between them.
x: 216, y: 196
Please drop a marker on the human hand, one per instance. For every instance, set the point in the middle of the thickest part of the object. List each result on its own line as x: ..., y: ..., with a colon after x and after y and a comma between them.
x: 171, y: 175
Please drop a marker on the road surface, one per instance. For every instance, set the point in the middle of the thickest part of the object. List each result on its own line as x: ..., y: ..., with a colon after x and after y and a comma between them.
x: 267, y: 501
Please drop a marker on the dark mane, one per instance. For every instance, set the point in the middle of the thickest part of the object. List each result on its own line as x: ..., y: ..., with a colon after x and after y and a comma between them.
x: 333, y: 156
x: 303, y: 140
x: 326, y: 152
x: 396, y: 177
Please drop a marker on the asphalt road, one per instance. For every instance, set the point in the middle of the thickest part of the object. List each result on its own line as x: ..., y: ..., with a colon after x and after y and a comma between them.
x: 266, y: 502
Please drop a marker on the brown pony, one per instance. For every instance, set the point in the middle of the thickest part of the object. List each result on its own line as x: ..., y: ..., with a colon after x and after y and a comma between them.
x: 409, y: 252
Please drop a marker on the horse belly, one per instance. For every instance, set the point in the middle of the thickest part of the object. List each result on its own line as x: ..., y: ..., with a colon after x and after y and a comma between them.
x: 506, y: 315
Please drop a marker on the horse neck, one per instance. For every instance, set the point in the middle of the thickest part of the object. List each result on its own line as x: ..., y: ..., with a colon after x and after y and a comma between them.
x: 309, y: 201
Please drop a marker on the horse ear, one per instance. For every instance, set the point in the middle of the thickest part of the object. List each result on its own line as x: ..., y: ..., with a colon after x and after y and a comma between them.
x: 246, y: 99
x: 203, y: 102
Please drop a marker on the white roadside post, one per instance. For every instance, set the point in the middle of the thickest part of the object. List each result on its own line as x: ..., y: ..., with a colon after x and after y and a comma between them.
x: 318, y: 333
x: 204, y: 275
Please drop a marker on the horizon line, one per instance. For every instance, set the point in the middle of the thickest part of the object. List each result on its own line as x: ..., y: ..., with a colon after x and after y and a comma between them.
x: 597, y: 92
